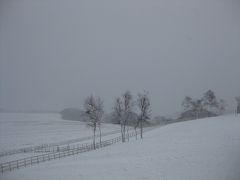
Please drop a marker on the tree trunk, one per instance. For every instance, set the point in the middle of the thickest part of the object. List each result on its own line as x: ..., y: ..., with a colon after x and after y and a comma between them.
x: 135, y: 133
x: 128, y: 133
x: 124, y: 132
x: 100, y: 133
x: 94, y: 135
x: 141, y: 129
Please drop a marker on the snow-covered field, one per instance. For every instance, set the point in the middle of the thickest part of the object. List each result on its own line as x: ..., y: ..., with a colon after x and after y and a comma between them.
x: 18, y: 130
x: 206, y: 149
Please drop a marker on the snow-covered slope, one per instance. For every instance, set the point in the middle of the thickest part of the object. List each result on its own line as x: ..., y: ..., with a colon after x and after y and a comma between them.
x: 206, y: 149
x: 19, y: 130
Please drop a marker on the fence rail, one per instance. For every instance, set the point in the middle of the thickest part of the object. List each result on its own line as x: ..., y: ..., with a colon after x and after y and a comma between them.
x: 59, y: 153
x: 43, y: 146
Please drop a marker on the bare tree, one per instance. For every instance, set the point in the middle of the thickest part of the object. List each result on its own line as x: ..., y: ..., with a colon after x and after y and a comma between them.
x: 135, y: 129
x: 122, y: 111
x: 118, y: 114
x: 143, y: 103
x: 127, y: 99
x: 94, y: 112
x: 100, y: 131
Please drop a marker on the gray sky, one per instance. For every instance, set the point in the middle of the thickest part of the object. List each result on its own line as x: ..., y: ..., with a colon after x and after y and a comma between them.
x: 54, y: 53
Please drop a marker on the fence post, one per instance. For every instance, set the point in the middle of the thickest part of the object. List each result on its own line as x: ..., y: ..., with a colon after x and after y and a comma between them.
x: 77, y: 148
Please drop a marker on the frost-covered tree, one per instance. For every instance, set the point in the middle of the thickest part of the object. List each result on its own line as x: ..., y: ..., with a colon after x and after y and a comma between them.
x: 197, y: 107
x: 210, y: 100
x: 143, y: 104
x: 94, y: 113
x: 187, y: 103
x: 127, y: 99
x: 208, y: 105
x: 118, y: 114
x: 192, y: 108
x: 123, y: 111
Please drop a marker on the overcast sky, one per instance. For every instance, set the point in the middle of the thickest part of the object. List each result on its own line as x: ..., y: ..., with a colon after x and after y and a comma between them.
x: 54, y: 53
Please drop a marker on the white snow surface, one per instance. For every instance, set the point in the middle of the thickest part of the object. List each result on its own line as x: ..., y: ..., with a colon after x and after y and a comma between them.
x: 206, y: 149
x: 19, y: 130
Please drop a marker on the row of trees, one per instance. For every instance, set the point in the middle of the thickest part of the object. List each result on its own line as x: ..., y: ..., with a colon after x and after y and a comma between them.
x: 206, y: 106
x: 122, y: 113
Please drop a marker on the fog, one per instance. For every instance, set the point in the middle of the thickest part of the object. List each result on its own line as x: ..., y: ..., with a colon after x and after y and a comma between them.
x: 55, y: 53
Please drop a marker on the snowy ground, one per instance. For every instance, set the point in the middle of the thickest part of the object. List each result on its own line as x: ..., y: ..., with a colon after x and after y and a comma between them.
x: 194, y: 150
x: 18, y: 130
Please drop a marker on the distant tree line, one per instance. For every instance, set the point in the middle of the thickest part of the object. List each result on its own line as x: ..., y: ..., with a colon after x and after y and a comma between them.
x: 206, y: 106
x: 73, y: 114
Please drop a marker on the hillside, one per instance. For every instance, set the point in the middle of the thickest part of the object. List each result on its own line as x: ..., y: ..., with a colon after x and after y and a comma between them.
x: 201, y: 149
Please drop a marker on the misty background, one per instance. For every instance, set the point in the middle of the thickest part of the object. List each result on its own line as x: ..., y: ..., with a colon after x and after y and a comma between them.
x: 55, y: 53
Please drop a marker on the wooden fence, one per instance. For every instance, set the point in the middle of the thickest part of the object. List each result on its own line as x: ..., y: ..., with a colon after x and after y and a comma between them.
x: 44, y: 146
x: 59, y: 153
